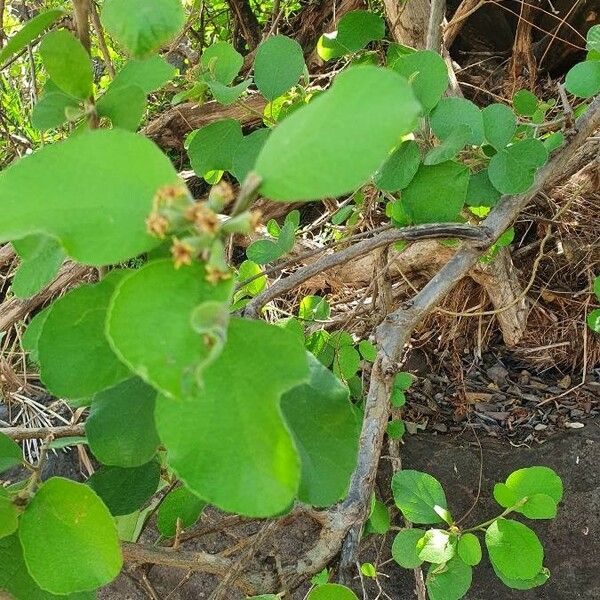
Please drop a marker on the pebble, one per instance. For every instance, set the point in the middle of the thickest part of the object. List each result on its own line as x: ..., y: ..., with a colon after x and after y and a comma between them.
x: 540, y: 427
x: 574, y: 425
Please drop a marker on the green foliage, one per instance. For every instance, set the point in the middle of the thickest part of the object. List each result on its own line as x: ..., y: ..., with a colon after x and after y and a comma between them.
x: 149, y: 74
x: 66, y: 514
x: 331, y: 591
x: 469, y: 549
x: 124, y: 105
x: 452, y: 113
x: 448, y: 581
x: 315, y: 153
x: 8, y: 517
x: 266, y: 251
x: 314, y: 308
x: 278, y: 65
x: 221, y: 62
x: 400, y: 167
x: 499, y: 125
x: 379, y: 520
x: 404, y: 548
x: 525, y: 103
x: 246, y: 153
x: 417, y: 494
x: 512, y: 170
x: 54, y: 107
x: 583, y: 80
x: 593, y: 318
x: 140, y: 26
x: 178, y: 505
x: 10, y: 453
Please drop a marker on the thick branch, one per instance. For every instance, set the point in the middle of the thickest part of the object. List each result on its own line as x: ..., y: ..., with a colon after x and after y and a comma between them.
x: 434, y: 29
x: 385, y: 238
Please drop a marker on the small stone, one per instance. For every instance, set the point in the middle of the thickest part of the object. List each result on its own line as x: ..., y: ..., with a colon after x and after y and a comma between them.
x: 524, y: 378
x: 574, y: 425
x: 540, y: 427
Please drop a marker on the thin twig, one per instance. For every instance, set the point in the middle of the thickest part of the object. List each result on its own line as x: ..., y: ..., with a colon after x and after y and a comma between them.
x: 30, y: 433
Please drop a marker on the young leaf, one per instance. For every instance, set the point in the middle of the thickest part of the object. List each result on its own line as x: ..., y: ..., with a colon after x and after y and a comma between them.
x: 222, y: 62
x: 67, y: 63
x: 246, y: 153
x: 141, y: 26
x: 50, y: 110
x: 583, y: 80
x: 66, y: 514
x: 334, y: 144
x: 451, y: 113
x: 213, y: 146
x: 436, y: 546
x: 367, y: 350
x: 150, y: 74
x: 278, y: 65
x: 247, y: 270
x: 450, y: 581
x: 314, y: 308
x: 124, y: 105
x: 416, y: 494
x: 325, y: 431
x: 400, y: 167
x: 505, y: 540
x: 499, y: 125
x: 10, y: 453
x: 404, y: 548
x: 525, y: 103
x: 593, y: 320
x: 137, y: 314
x: 396, y: 429
x: 125, y: 490
x: 469, y: 549
x: 29, y: 32
x: 118, y: 170
x: 331, y: 591
x: 180, y: 504
x: 512, y: 170
x: 436, y: 193
x: 427, y: 73
x: 120, y: 427
x: 198, y: 431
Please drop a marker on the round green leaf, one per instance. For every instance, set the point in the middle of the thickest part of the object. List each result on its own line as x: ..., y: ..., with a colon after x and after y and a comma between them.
x: 213, y: 147
x: 346, y: 362
x: 69, y: 515
x: 124, y: 105
x: 499, y: 125
x: 125, y: 490
x: 506, y: 540
x: 367, y: 350
x: 179, y: 504
x: 325, y: 431
x: 593, y: 320
x: 450, y: 113
x: 416, y: 494
x: 525, y: 103
x: 469, y: 549
x: 404, y: 548
x: 50, y: 110
x: 427, y: 73
x: 67, y: 63
x: 120, y: 428
x: 334, y: 144
x: 119, y: 171
x: 156, y: 303
x: 10, y: 453
x: 359, y: 27
x: 259, y: 474
x: 150, y: 74
x: 396, y: 429
x: 436, y: 193
x: 74, y: 355
x: 8, y: 517
x: 246, y: 153
x: 583, y: 80
x: 142, y: 26
x: 314, y: 308
x: 278, y: 65
x: 450, y: 581
x: 535, y: 480
x: 512, y: 170
x: 539, y: 506
x: 450, y: 147
x: 222, y: 62
x: 436, y: 546
x: 379, y: 519
x: 247, y: 270
x: 400, y: 167
x: 480, y: 191
x: 593, y: 38
x: 331, y: 591
x: 523, y: 584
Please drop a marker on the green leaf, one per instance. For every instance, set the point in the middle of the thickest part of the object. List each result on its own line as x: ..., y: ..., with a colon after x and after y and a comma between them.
x: 120, y: 427
x: 396, y: 429
x: 334, y: 144
x: 403, y: 380
x: 416, y: 494
x: 225, y: 94
x: 41, y: 258
x: 67, y: 63
x: 16, y: 580
x: 593, y: 38
x: 124, y: 105
x: 523, y: 584
x: 367, y: 350
x: 325, y: 431
x: 65, y: 514
x: 31, y: 337
x: 512, y: 170
x: 583, y: 80
x: 180, y: 504
x: 150, y: 74
x: 358, y: 28
x: 66, y: 442
x: 8, y: 517
x: 137, y: 314
x: 50, y: 110
x: 480, y: 191
x: 247, y: 270
x: 29, y: 32
x: 368, y: 570
x: 75, y: 358
x: 259, y: 474
x: 379, y: 520
x: 331, y: 591
x: 451, y: 113
x: 450, y: 581
x: 514, y: 549
x: 278, y: 65
x: 539, y: 506
x: 499, y: 125
x: 141, y: 26
x: 593, y: 320
x: 450, y: 147
x: 469, y: 549
x: 596, y: 287
x: 400, y: 167
x: 222, y: 62
x: 426, y: 71
x: 246, y: 153
x: 126, y: 490
x: 436, y: 193
x: 314, y: 308
x: 212, y: 148
x: 436, y: 546
x: 346, y: 362
x: 554, y: 141
x: 404, y: 548
x: 321, y: 577
x: 525, y: 103
x: 118, y: 170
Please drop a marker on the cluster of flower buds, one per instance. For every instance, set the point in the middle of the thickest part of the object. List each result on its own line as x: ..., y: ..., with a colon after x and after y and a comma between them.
x: 196, y: 229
